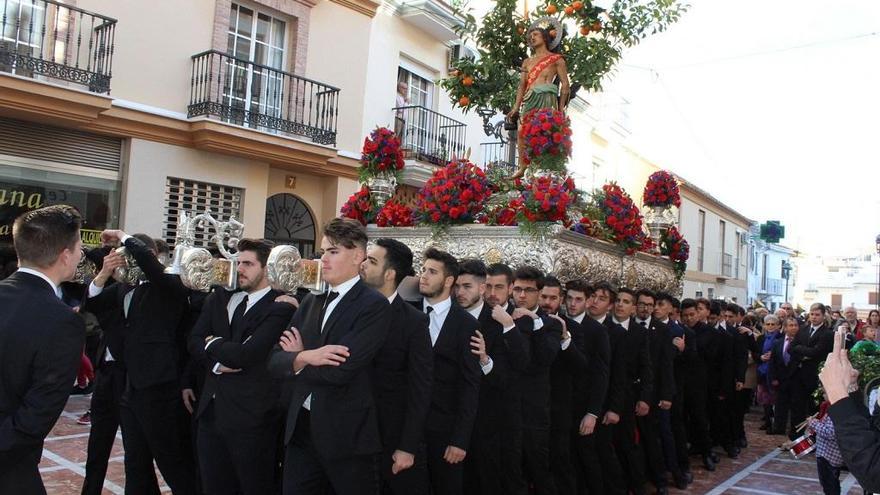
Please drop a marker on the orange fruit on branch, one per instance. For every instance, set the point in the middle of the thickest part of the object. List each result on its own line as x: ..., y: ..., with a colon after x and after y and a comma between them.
x: 578, y: 5
x: 585, y: 30
x: 551, y: 9
x: 468, y: 81
x: 569, y: 10
x: 597, y: 26
x: 464, y: 101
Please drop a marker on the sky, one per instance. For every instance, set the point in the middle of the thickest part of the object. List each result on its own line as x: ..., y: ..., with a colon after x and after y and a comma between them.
x: 772, y: 107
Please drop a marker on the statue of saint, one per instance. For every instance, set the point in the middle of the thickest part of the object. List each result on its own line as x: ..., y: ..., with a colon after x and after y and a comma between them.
x: 536, y: 88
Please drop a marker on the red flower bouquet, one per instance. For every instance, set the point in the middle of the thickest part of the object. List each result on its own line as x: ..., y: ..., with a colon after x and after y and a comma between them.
x: 503, y: 215
x: 381, y: 154
x: 456, y: 193
x: 674, y: 245
x: 622, y: 217
x: 395, y: 214
x: 546, y: 134
x: 545, y: 199
x: 359, y: 206
x: 661, y: 190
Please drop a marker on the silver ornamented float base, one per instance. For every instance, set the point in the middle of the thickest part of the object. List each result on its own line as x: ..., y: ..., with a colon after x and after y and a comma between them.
x: 566, y: 254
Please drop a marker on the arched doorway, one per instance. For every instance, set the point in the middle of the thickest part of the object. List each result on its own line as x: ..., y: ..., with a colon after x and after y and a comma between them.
x: 289, y: 221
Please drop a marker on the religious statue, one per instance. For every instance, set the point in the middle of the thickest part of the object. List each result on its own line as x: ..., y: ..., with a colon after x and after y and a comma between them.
x: 539, y: 72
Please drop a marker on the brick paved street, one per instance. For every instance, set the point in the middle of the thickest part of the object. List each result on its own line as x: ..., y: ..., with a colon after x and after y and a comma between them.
x: 760, y: 469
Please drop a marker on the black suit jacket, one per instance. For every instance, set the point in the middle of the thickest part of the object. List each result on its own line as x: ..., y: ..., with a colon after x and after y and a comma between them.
x: 591, y: 388
x: 617, y: 384
x: 245, y: 399
x: 41, y: 340
x: 859, y: 439
x: 811, y: 351
x: 343, y: 411
x: 662, y: 353
x: 403, y: 371
x: 716, y: 348
x: 570, y: 366
x: 151, y: 344
x: 457, y: 376
x: 778, y: 369
x: 500, y: 403
x: 690, y: 369
x: 639, y: 371
x: 535, y: 380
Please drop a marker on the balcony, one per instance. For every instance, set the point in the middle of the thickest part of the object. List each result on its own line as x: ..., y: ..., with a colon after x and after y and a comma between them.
x: 498, y: 155
x: 773, y: 287
x: 428, y: 136
x: 434, y: 17
x: 726, y: 265
x: 260, y: 97
x: 51, y: 40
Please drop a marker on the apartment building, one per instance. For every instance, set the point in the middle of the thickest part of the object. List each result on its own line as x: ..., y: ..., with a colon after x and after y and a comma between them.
x: 136, y: 111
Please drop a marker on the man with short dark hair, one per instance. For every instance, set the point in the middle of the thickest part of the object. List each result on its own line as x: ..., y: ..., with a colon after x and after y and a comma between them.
x: 696, y: 387
x: 332, y: 432
x: 402, y: 373
x: 457, y: 373
x: 237, y: 415
x: 544, y: 341
x: 41, y: 341
x: 569, y: 366
x: 813, y: 343
x: 722, y: 378
x: 149, y: 318
x: 503, y: 354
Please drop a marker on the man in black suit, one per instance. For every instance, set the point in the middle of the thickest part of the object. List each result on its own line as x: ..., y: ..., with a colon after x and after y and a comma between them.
x: 814, y: 341
x: 699, y: 340
x: 41, y: 341
x: 332, y: 432
x: 402, y: 373
x: 638, y: 388
x: 238, y: 420
x: 495, y: 466
x: 150, y: 316
x: 658, y: 420
x: 783, y: 368
x: 589, y: 389
x: 570, y: 366
x: 456, y: 388
x: 743, y: 345
x: 544, y: 341
x: 722, y: 380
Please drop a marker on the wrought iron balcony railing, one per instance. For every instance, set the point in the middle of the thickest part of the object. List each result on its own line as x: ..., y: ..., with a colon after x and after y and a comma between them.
x: 265, y: 98
x: 429, y: 136
x: 58, y: 41
x: 498, y: 155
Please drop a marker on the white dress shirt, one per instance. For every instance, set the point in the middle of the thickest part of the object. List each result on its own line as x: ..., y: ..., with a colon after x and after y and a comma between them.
x: 437, y: 316
x: 624, y: 323
x: 602, y: 319
x: 341, y: 289
x: 37, y: 273
x: 579, y: 318
x: 645, y: 323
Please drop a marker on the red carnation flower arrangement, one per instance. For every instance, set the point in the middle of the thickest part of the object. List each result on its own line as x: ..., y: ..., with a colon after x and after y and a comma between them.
x: 381, y: 154
x: 674, y: 245
x: 456, y: 193
x: 661, y: 190
x: 546, y: 134
x: 502, y: 215
x: 395, y: 214
x: 622, y: 218
x: 545, y: 199
x: 359, y: 206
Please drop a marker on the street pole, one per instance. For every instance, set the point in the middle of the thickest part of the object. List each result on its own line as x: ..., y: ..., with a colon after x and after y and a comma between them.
x: 877, y: 298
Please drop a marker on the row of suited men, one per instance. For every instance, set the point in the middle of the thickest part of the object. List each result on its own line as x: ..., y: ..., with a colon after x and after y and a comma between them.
x: 494, y: 380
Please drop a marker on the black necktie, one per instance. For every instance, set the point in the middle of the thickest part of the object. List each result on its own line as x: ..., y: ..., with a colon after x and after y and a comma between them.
x: 239, y: 312
x: 330, y: 297
x: 429, y: 309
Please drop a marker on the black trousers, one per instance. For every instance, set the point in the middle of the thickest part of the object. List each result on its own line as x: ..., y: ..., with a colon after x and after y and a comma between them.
x: 151, y: 430
x: 536, y: 458
x: 802, y: 402
x: 493, y: 465
x: 829, y: 476
x: 782, y: 410
x: 106, y: 398
x: 720, y: 417
x: 630, y: 453
x: 650, y: 436
x: 599, y: 470
x: 743, y: 402
x: 236, y: 459
x: 445, y: 478
x: 20, y: 472
x: 412, y: 481
x: 307, y: 473
x: 696, y: 416
x: 561, y: 466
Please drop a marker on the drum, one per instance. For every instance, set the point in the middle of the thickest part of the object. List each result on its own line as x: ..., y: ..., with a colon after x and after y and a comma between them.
x: 802, y: 446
